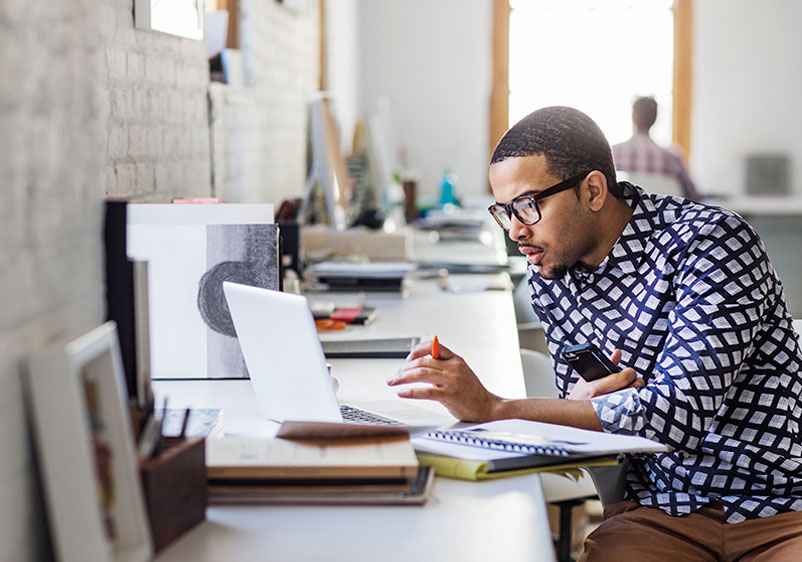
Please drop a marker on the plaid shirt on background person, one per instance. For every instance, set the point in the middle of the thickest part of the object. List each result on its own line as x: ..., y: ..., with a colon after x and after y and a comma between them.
x: 690, y: 297
x: 641, y: 154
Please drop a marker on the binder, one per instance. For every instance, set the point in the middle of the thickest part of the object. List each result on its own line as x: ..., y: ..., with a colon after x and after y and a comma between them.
x: 451, y: 467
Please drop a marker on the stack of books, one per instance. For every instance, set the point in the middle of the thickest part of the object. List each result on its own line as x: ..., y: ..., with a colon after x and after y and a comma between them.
x: 366, y: 470
x: 360, y: 277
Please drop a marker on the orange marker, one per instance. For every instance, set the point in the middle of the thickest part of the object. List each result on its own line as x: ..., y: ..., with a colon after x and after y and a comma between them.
x: 435, y: 348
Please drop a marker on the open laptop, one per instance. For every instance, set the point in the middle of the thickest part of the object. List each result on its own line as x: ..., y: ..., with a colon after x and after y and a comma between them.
x: 282, y: 351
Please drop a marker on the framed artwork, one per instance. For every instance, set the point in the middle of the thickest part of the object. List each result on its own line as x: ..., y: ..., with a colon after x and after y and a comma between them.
x: 86, y: 451
x: 191, y: 250
x: 183, y: 18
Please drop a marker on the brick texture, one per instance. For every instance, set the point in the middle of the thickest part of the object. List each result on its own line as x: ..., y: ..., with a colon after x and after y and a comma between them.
x: 259, y: 131
x: 158, y: 118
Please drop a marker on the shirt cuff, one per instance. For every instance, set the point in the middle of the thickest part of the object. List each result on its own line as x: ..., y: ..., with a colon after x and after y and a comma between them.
x: 620, y: 412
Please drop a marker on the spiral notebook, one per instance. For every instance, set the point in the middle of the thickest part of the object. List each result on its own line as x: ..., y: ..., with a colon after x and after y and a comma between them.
x: 517, y: 444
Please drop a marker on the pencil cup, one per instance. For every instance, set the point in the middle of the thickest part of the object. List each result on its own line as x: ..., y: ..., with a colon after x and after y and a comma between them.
x: 174, y: 485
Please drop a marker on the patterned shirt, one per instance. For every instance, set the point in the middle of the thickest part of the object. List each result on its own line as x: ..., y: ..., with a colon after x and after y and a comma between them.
x: 641, y: 154
x: 689, y: 296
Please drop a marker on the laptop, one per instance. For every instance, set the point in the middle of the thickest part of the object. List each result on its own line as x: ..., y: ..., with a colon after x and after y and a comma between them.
x: 288, y: 371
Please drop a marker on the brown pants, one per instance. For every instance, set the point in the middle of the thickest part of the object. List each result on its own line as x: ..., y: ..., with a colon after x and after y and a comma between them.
x: 631, y: 532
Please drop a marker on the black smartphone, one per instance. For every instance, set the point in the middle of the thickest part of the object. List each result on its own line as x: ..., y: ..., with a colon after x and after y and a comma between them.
x: 589, y: 362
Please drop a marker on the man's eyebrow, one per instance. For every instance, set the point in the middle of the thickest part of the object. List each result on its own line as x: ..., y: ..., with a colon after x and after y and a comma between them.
x: 528, y: 192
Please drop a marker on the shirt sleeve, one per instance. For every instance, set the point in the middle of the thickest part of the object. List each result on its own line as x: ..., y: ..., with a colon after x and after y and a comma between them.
x: 723, y: 284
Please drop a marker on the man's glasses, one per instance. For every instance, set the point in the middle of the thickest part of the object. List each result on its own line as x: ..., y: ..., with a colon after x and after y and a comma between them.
x: 525, y: 207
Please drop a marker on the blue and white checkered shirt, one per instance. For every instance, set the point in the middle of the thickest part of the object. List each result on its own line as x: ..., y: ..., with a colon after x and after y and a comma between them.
x: 690, y: 297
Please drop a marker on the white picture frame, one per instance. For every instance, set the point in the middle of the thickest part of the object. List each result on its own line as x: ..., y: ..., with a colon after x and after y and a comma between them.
x: 183, y: 18
x: 64, y: 383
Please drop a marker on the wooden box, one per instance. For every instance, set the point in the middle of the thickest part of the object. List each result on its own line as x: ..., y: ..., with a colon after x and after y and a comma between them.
x: 174, y: 485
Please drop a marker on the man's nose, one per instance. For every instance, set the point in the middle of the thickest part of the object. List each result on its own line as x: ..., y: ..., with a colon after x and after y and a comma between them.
x: 518, y: 231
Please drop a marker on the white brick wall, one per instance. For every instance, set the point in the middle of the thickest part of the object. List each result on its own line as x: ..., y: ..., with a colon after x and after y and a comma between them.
x: 158, y: 125
x: 91, y: 107
x: 259, y: 131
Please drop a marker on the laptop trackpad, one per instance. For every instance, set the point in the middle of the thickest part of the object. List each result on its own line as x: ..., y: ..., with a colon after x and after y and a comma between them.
x: 407, y: 414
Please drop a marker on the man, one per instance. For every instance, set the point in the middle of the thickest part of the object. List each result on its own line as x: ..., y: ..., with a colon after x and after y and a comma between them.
x: 683, y: 297
x: 641, y: 154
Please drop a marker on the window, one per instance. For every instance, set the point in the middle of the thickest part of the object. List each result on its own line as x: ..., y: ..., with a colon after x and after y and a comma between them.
x: 597, y: 56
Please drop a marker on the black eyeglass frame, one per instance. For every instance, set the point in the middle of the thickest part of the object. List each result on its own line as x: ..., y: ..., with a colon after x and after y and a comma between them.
x: 510, y: 209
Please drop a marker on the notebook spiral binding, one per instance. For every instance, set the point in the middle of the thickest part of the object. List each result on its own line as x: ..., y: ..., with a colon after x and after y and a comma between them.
x: 467, y: 438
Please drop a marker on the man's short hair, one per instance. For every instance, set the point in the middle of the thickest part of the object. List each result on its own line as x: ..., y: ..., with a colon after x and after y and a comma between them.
x: 571, y: 142
x: 644, y: 113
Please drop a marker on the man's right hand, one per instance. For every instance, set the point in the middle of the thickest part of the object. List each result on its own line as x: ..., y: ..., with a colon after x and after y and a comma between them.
x: 452, y: 381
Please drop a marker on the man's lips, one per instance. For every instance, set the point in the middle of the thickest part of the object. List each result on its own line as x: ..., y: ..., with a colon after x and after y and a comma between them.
x: 533, y: 254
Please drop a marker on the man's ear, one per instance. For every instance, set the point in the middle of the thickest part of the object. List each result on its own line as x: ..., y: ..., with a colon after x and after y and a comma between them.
x: 597, y: 190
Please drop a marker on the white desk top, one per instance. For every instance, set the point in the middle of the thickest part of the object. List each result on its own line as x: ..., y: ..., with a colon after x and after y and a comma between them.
x: 763, y: 206
x: 461, y: 521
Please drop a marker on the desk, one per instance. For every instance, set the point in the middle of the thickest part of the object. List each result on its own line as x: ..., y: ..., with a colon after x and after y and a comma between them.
x: 461, y: 521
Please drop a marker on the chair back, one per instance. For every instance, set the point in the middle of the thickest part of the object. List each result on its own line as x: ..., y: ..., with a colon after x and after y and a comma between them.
x: 658, y: 184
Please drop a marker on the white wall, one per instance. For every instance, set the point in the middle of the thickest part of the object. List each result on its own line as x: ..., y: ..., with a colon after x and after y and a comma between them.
x: 52, y: 155
x: 433, y: 60
x: 747, y: 87
x: 259, y: 131
x: 342, y: 56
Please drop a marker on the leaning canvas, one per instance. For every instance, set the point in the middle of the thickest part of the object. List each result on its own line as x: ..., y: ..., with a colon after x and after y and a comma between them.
x: 191, y: 250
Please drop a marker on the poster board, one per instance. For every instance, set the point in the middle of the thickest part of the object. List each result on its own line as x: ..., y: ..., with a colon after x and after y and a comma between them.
x: 191, y: 250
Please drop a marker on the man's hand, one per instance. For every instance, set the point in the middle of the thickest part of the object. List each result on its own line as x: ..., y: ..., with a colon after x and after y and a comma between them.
x: 453, y: 383
x: 584, y: 390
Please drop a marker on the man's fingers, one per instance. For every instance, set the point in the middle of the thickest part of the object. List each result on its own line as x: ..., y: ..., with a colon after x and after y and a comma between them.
x: 424, y: 393
x: 613, y: 382
x: 638, y: 383
x: 408, y: 375
x: 616, y: 356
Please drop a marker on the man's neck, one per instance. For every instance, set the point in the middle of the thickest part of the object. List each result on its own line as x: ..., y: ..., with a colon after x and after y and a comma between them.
x: 615, y: 221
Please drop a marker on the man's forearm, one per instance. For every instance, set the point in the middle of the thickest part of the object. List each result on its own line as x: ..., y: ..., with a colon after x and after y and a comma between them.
x: 576, y: 413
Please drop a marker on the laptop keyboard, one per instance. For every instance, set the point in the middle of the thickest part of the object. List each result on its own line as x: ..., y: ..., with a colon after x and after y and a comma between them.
x: 355, y: 415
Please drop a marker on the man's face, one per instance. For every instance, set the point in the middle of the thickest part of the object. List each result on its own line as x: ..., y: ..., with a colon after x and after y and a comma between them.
x: 566, y: 231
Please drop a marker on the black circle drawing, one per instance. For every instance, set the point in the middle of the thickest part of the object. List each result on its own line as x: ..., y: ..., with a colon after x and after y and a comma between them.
x: 211, y: 300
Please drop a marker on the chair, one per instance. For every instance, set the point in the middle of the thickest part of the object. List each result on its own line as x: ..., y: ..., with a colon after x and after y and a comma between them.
x: 660, y: 184
x: 530, y: 330
x: 558, y: 490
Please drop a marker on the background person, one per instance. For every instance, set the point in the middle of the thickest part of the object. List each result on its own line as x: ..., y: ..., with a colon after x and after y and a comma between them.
x: 641, y: 155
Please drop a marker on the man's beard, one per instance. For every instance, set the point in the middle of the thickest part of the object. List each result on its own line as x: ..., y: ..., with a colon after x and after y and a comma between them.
x: 555, y: 272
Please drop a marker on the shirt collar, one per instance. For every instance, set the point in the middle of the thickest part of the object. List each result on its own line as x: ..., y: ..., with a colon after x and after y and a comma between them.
x: 628, y: 252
